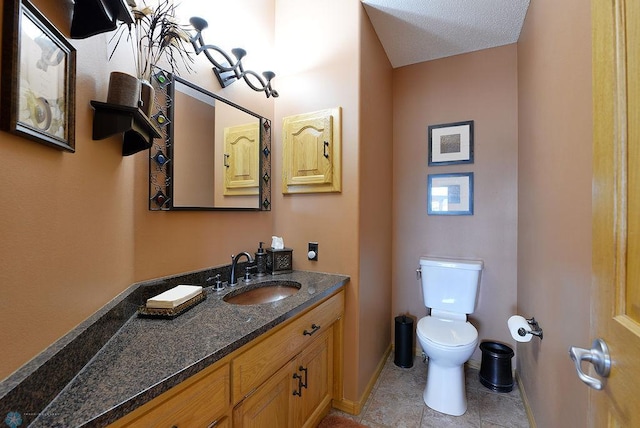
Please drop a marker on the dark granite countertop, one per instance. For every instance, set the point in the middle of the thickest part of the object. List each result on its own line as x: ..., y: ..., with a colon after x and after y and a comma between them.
x: 146, y: 357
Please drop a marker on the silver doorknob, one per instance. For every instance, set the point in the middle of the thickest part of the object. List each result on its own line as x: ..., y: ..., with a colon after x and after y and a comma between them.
x: 598, y: 355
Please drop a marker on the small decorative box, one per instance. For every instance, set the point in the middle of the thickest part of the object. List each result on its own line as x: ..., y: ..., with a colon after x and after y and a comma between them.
x: 279, y: 261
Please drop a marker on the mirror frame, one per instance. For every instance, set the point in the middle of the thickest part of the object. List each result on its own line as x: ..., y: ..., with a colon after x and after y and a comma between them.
x: 161, y: 152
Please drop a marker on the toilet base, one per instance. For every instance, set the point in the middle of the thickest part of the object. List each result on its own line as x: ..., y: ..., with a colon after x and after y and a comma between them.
x: 445, y: 391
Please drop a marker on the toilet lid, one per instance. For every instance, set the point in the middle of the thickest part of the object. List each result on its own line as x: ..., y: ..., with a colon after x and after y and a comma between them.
x: 447, y: 332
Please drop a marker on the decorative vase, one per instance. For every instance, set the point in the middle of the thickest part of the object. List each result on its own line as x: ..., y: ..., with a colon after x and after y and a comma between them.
x: 124, y: 89
x: 147, y: 94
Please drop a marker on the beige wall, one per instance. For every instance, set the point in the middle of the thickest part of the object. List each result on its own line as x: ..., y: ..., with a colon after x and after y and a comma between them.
x: 480, y: 86
x: 193, y: 164
x: 319, y: 71
x: 375, y: 217
x: 554, y: 235
x: 75, y: 230
x: 172, y: 242
x: 78, y: 224
x: 66, y: 224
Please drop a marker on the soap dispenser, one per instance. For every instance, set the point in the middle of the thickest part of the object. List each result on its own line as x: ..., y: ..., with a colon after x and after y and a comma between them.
x: 261, y: 261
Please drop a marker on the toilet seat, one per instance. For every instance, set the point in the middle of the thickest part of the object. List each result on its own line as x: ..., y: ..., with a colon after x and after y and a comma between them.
x: 446, y: 332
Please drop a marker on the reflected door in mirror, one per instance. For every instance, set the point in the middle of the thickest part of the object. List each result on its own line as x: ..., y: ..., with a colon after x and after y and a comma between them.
x: 241, y: 147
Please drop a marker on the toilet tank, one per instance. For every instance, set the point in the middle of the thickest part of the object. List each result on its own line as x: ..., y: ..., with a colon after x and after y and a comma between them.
x: 449, y: 284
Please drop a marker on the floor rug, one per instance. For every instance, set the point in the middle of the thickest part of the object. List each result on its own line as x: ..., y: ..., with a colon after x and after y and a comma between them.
x: 334, y: 421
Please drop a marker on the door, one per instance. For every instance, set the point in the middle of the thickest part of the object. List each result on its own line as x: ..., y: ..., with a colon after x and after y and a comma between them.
x: 241, y: 145
x: 308, y: 139
x: 270, y: 404
x: 616, y: 208
x: 311, y: 152
x: 315, y: 364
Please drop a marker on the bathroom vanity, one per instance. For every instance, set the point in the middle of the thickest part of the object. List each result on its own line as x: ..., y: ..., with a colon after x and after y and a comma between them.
x: 283, y: 378
x: 217, y: 364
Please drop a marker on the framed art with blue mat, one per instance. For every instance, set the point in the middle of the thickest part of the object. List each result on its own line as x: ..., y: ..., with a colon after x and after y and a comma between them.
x: 450, y: 194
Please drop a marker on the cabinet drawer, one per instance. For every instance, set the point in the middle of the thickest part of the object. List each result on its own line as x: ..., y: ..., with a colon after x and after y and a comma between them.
x: 197, y: 402
x: 221, y: 423
x: 265, y: 357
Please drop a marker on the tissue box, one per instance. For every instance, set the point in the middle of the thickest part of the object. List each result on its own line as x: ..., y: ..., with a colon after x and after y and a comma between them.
x: 279, y: 261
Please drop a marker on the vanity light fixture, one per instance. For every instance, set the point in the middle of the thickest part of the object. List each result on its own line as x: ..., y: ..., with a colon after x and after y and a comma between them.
x: 229, y: 71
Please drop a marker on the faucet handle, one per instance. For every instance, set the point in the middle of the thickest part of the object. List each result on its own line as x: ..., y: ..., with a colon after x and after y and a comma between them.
x: 218, y: 286
x: 247, y: 273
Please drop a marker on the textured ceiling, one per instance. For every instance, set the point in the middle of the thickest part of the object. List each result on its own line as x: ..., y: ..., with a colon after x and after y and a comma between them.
x: 413, y: 31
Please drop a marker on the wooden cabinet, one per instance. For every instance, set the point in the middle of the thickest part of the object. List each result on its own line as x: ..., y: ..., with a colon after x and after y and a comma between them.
x: 201, y: 401
x: 255, y: 365
x: 284, y: 379
x: 297, y: 395
x: 287, y: 379
x: 269, y: 405
x: 312, y: 152
x: 315, y: 368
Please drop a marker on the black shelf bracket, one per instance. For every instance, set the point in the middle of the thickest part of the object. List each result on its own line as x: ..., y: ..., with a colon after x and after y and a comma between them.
x: 137, y: 129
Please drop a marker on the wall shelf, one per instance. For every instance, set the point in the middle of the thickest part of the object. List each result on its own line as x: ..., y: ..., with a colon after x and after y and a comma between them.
x: 137, y: 129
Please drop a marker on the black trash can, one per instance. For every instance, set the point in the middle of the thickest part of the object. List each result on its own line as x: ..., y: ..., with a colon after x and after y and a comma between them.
x: 495, y: 369
x: 404, y: 342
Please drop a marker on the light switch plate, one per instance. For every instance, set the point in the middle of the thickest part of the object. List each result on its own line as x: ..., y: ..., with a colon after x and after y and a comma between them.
x: 313, y: 247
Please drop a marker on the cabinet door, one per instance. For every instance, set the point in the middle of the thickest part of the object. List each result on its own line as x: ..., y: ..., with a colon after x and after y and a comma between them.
x: 315, y: 365
x: 270, y: 404
x: 311, y: 152
x: 241, y: 145
x: 221, y: 423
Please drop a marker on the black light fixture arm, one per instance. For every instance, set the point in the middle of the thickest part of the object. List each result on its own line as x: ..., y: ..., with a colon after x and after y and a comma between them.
x: 230, y: 71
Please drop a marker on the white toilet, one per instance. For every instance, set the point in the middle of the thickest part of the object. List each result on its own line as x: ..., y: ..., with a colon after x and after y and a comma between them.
x: 450, y: 288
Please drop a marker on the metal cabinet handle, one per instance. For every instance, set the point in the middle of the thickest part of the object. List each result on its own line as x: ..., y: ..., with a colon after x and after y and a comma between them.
x: 299, y: 391
x: 314, y: 328
x: 226, y: 160
x: 216, y: 423
x: 303, y: 369
x: 324, y: 149
x: 598, y: 355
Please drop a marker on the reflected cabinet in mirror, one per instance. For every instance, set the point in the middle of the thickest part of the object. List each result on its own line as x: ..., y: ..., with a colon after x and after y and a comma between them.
x: 213, y: 154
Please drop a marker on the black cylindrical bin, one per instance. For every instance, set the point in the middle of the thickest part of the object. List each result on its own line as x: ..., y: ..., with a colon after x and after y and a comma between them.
x: 404, y: 342
x: 495, y: 369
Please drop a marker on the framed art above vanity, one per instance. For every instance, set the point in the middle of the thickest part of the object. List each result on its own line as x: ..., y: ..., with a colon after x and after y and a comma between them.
x: 38, y: 78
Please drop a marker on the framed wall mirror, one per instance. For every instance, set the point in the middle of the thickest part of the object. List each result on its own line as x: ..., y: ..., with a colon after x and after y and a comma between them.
x: 213, y: 154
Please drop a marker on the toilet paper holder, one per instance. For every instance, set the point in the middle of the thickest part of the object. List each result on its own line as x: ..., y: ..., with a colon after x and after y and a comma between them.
x: 535, y: 328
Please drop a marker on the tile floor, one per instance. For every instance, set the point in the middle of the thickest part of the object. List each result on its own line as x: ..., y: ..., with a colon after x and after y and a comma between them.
x: 396, y: 401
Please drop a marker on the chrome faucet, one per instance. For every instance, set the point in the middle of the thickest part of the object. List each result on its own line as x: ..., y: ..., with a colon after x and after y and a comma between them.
x: 234, y: 262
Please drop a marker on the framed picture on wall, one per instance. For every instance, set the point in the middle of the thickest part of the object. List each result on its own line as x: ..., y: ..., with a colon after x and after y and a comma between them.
x: 38, y: 78
x: 451, y: 143
x: 450, y: 194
